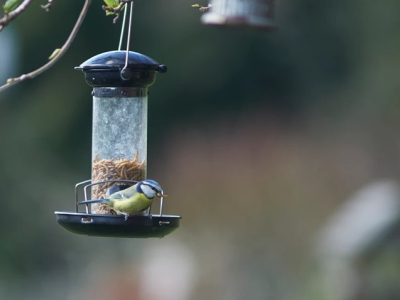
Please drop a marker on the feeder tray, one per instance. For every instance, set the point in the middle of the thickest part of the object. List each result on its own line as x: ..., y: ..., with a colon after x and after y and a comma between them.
x: 115, y: 226
x: 136, y: 226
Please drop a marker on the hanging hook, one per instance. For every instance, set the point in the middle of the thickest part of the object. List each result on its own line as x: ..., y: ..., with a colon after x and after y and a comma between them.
x: 126, y: 73
x: 121, y: 37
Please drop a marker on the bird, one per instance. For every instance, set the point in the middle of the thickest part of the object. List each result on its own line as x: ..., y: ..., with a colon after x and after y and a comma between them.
x: 133, y: 199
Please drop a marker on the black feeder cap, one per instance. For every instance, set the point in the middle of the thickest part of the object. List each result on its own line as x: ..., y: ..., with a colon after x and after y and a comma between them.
x: 107, y: 70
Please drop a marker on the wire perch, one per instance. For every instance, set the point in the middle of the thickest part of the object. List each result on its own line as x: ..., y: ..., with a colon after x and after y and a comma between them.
x: 88, y: 183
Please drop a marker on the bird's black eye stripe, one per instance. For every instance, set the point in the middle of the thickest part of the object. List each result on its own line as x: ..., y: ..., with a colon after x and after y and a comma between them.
x: 153, y: 188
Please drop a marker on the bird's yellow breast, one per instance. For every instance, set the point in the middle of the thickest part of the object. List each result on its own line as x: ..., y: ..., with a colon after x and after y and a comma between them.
x: 131, y: 205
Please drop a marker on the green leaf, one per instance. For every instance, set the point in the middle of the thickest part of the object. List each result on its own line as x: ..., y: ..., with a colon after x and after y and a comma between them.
x: 112, y: 3
x: 54, y: 54
x: 11, y: 5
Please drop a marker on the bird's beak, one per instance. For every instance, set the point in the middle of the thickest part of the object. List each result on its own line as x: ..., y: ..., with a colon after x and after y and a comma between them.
x: 161, y: 195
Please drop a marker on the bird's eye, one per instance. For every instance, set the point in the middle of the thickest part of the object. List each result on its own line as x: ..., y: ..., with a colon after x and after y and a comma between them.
x: 153, y: 188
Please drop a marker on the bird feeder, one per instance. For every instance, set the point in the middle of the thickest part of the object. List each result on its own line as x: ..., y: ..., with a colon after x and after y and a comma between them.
x: 120, y: 81
x: 256, y: 14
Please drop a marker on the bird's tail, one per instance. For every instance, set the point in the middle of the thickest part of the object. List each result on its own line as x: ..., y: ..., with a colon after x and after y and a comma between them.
x: 94, y: 201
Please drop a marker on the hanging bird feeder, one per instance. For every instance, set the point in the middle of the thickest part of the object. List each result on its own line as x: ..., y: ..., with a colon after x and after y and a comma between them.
x: 257, y: 14
x: 120, y: 81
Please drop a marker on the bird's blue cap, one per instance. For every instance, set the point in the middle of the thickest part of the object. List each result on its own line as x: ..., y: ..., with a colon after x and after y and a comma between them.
x: 152, y: 182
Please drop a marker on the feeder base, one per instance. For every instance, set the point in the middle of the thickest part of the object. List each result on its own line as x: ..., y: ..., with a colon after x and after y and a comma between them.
x: 150, y: 226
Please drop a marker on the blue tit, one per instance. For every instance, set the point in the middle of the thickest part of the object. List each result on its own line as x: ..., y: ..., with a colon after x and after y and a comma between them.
x: 133, y: 199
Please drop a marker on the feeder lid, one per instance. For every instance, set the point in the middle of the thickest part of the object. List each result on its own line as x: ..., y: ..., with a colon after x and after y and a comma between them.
x: 115, y: 60
x: 108, y: 70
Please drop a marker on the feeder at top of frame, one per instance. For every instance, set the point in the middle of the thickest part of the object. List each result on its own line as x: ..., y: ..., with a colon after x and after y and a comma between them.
x: 257, y: 14
x: 120, y: 81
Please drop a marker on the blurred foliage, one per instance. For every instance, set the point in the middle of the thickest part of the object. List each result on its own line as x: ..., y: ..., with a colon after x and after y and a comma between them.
x: 256, y: 137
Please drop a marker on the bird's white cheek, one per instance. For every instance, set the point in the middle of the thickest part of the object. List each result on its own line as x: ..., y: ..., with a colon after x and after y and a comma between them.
x: 148, y: 192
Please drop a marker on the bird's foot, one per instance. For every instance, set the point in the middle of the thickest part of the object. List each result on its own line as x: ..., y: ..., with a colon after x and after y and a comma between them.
x: 125, y: 214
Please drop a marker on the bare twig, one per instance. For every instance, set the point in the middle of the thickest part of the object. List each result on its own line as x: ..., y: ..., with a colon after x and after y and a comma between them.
x: 4, y: 21
x: 117, y: 10
x: 54, y: 57
x: 202, y: 8
x: 47, y: 7
x: 205, y: 8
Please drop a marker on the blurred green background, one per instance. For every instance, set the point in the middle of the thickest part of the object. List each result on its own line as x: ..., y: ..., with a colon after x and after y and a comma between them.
x: 258, y: 138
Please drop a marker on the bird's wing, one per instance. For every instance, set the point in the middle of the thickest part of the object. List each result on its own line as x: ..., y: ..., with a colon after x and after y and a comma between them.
x: 121, y: 196
x: 118, y: 196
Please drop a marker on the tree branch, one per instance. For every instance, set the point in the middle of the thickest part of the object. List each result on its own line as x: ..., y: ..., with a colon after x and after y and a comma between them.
x: 56, y: 54
x: 202, y: 8
x: 15, y: 13
x: 47, y: 7
x: 115, y: 10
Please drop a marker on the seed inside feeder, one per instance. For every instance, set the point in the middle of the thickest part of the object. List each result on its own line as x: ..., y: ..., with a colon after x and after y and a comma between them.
x: 114, y: 169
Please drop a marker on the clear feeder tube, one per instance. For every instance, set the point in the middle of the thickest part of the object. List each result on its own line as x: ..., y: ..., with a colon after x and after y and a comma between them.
x: 119, y: 139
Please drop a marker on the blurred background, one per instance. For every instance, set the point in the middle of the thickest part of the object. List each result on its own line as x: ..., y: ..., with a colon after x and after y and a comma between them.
x: 281, y: 151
